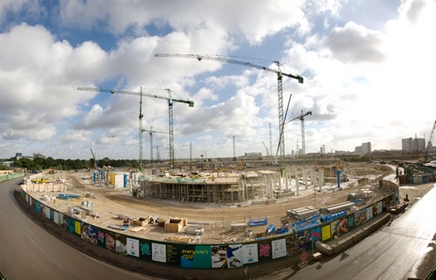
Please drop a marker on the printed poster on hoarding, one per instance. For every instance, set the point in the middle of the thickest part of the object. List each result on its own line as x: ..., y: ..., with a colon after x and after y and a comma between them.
x: 173, y: 254
x: 58, y: 217
x: 250, y: 253
x: 264, y: 250
x: 120, y: 243
x: 158, y: 252
x: 325, y: 233
x: 377, y: 208
x: 197, y: 256
x: 71, y: 224
x: 234, y: 256
x: 89, y: 233
x: 47, y: 212
x: 218, y: 256
x: 109, y: 238
x: 369, y: 213
x: 132, y: 247
x: 360, y: 217
x: 77, y: 227
x: 101, y: 240
x: 145, y: 249
x: 339, y: 227
x: 278, y: 248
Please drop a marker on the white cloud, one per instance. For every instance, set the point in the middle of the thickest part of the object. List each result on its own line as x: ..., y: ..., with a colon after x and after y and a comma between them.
x: 366, y: 78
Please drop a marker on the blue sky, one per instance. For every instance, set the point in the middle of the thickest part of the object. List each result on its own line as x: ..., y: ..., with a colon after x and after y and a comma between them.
x: 366, y: 66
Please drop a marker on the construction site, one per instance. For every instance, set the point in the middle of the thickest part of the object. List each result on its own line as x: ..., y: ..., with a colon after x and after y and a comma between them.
x: 255, y: 211
x: 192, y: 219
x: 221, y: 206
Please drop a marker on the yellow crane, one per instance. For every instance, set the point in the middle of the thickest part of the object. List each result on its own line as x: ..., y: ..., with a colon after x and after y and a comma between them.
x: 141, y: 93
x: 279, y: 73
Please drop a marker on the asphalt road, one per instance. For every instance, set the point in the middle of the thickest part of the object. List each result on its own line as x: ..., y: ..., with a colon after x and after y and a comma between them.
x: 403, y: 249
x: 28, y: 251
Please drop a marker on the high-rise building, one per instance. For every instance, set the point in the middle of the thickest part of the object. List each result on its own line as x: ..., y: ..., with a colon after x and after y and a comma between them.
x: 366, y: 148
x: 407, y: 145
x: 410, y: 145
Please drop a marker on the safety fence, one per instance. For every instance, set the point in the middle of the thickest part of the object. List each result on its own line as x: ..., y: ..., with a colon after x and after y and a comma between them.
x: 11, y: 176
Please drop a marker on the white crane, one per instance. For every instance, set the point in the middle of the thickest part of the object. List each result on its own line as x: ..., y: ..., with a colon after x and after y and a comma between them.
x: 141, y: 94
x: 279, y: 73
x: 151, y: 132
x: 303, y: 140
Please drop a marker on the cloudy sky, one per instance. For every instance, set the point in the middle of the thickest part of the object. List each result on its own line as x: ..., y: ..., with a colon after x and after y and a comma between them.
x: 366, y: 66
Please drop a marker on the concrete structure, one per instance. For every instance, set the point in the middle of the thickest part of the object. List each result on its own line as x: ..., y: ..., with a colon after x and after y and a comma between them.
x: 221, y: 187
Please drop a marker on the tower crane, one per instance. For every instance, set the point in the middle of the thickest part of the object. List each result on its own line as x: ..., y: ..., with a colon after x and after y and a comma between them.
x: 301, y: 118
x: 267, y: 153
x: 151, y: 132
x: 279, y: 73
x: 141, y: 94
x: 430, y: 143
x: 95, y: 159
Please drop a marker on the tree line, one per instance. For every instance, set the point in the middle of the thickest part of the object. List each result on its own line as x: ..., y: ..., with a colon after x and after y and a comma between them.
x: 41, y: 163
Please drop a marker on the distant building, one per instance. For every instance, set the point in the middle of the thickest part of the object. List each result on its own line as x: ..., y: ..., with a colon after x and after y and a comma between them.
x: 8, y: 163
x: 358, y: 150
x: 18, y: 156
x: 420, y: 144
x: 410, y: 145
x: 364, y: 149
x: 253, y: 154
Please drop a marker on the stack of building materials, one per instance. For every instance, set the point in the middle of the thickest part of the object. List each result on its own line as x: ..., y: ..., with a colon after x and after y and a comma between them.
x: 238, y: 226
x: 335, y: 208
x: 302, y: 212
x: 194, y: 229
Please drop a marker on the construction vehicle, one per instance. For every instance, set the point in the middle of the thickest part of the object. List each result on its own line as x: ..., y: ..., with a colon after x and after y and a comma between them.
x: 141, y: 94
x: 279, y: 73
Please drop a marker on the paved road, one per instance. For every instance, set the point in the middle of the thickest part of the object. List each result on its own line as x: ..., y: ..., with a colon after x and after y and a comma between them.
x: 28, y: 251
x: 398, y: 251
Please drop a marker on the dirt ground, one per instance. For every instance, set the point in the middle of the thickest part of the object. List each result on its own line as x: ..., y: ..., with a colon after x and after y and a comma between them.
x: 216, y: 218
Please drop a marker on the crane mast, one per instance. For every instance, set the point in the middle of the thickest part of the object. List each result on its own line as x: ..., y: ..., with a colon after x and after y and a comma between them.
x: 279, y: 73
x: 303, y: 138
x: 140, y: 131
x: 430, y: 143
x: 141, y: 94
x: 151, y: 132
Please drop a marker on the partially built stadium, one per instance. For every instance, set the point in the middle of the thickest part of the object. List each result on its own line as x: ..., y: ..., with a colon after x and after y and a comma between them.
x: 220, y: 187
